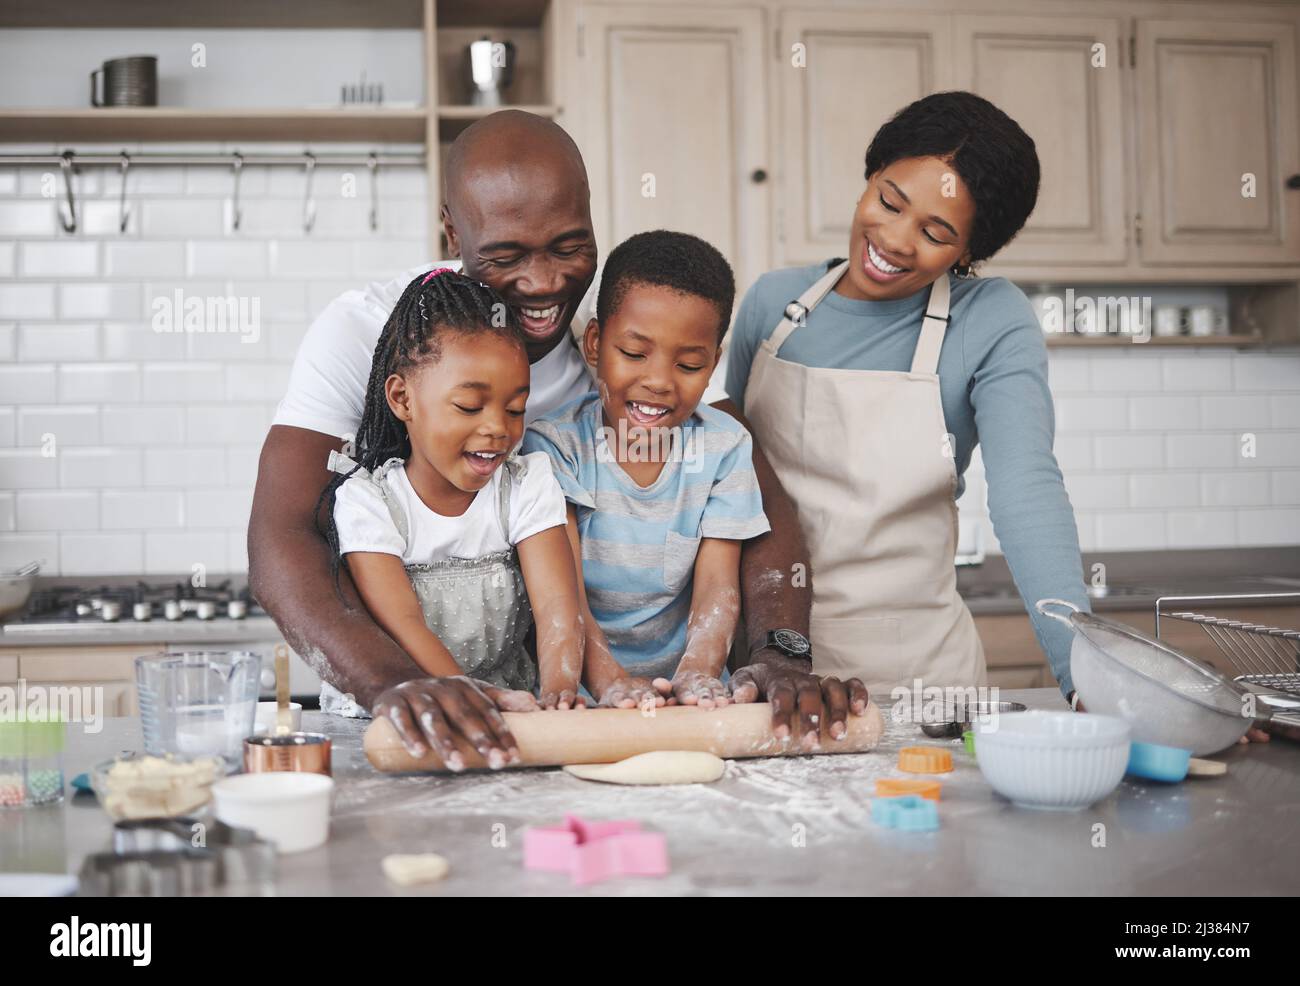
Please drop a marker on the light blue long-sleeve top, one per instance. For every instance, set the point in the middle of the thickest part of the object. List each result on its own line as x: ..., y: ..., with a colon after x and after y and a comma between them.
x: 993, y: 385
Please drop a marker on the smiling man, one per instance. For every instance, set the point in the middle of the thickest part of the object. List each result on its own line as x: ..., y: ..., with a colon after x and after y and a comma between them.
x: 518, y: 217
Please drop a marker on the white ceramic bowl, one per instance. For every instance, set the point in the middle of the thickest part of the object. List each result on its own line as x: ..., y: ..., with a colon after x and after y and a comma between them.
x: 1058, y: 760
x: 265, y: 722
x: 290, y: 809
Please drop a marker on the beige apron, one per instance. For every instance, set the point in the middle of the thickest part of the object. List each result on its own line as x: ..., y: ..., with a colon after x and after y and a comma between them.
x: 866, y: 457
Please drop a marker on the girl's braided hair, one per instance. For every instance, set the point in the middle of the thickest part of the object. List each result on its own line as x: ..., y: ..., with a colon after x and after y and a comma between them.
x: 433, y: 303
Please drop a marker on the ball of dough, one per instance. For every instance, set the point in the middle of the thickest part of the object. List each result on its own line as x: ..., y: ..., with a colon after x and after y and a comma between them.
x: 405, y: 871
x: 660, y: 767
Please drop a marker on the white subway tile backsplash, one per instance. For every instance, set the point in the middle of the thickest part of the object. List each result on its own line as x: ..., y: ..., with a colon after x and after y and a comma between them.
x: 1273, y: 450
x: 145, y: 259
x: 21, y: 300
x: 277, y: 301
x: 28, y: 218
x: 1202, y: 451
x: 241, y: 464
x: 185, y: 468
x: 61, y: 258
x: 8, y: 259
x: 1163, y: 489
x: 8, y: 181
x: 1164, y: 413
x: 191, y: 217
x: 1286, y: 487
x: 154, y: 425
x: 1085, y: 414
x: 1279, y: 526
x: 49, y: 342
x: 100, y: 301
x: 1097, y: 491
x: 8, y: 427
x: 143, y: 509
x: 7, y: 511
x: 1128, y: 370
x: 237, y: 550
x: 19, y: 549
x: 183, y: 381
x: 95, y: 554
x: 257, y: 382
x: 310, y: 259
x: 97, y: 468
x: 168, y: 553
x: 1119, y: 531
x: 1241, y: 412
x: 1235, y: 489
x: 226, y: 424
x: 28, y: 469
x: 227, y: 258
x: 104, y: 219
x: 218, y: 507
x: 58, y: 510
x: 1267, y: 371
x: 1201, y: 528
x: 1067, y: 373
x: 103, y: 382
x: 68, y: 426
x: 1129, y: 451
x: 385, y: 257
x: 139, y: 341
x: 1285, y: 409
x: 1198, y: 373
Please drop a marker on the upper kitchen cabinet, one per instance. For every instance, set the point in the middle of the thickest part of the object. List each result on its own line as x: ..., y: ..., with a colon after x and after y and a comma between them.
x: 1217, y: 142
x: 841, y: 74
x: 675, y: 134
x: 1059, y: 78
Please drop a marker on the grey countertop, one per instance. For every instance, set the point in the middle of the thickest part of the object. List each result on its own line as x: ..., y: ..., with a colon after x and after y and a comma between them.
x: 791, y: 826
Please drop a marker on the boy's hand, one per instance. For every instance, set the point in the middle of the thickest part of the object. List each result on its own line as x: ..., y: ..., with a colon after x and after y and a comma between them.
x: 561, y: 694
x: 699, y: 688
x: 635, y: 693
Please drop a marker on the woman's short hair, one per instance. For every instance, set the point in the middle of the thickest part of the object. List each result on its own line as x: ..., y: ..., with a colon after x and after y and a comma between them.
x: 986, y: 148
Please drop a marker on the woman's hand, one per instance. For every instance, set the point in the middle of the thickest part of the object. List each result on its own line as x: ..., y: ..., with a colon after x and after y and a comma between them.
x: 699, y: 688
x: 637, y: 693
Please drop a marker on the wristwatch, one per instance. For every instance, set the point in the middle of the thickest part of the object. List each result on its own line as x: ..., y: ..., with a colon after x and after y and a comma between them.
x: 791, y: 643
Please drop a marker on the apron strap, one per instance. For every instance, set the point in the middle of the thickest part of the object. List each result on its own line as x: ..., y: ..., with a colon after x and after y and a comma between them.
x: 797, y: 311
x: 933, y: 326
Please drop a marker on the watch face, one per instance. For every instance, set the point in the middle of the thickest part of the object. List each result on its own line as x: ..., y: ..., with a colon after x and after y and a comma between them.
x: 791, y: 642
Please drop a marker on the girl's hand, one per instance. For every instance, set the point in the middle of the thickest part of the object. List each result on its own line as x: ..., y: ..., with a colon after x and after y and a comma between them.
x: 699, y: 688
x: 637, y: 693
x: 561, y: 695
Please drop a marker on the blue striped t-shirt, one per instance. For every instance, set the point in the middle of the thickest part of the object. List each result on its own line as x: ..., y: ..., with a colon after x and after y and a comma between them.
x: 639, y: 543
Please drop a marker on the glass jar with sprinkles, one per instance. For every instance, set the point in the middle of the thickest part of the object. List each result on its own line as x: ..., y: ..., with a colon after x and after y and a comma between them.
x: 31, y: 762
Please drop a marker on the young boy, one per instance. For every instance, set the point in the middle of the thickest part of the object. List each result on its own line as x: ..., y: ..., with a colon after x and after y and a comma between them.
x: 661, y: 490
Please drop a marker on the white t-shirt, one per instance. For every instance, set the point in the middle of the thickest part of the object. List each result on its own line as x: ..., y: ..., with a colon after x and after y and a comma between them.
x: 365, y: 524
x: 327, y: 387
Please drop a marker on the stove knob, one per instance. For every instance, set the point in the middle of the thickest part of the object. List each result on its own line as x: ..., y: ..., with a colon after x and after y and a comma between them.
x: 142, y: 612
x: 206, y: 609
x: 110, y: 611
x: 83, y: 609
x: 172, y: 609
x: 236, y: 609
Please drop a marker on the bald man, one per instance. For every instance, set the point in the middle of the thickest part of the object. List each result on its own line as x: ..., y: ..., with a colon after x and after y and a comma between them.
x: 518, y: 217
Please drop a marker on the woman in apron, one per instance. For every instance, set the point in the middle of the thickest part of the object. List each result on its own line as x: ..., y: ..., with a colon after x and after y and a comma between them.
x: 869, y: 382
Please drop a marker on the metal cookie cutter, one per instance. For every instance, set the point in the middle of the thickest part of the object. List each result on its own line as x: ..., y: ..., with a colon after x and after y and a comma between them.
x: 168, y: 857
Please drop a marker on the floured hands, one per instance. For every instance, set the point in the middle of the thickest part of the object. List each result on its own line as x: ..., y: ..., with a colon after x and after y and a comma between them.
x: 636, y: 693
x: 800, y: 699
x: 699, y: 688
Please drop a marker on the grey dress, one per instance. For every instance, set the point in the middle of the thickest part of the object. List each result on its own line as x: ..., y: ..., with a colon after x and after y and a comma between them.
x: 477, y: 607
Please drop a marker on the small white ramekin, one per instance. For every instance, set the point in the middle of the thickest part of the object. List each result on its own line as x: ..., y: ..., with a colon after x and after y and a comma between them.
x: 289, y: 808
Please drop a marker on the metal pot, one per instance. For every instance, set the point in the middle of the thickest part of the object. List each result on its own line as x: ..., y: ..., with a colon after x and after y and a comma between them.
x: 16, y: 587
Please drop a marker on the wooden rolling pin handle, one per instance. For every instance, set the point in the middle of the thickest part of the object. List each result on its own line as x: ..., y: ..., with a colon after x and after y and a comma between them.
x: 605, y: 735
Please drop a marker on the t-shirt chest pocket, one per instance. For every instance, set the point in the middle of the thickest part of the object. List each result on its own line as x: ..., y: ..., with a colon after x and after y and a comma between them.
x: 679, y: 559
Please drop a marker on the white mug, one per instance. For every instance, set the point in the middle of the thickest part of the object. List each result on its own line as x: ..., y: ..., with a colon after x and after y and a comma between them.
x: 1205, y: 320
x: 1169, y: 320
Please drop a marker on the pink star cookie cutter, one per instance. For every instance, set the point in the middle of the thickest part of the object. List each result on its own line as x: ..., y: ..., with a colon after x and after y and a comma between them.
x: 593, y: 851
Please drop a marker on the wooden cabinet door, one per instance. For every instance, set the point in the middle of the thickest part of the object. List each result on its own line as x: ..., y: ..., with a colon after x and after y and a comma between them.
x: 1216, y: 114
x: 1060, y: 79
x: 842, y: 74
x: 676, y: 127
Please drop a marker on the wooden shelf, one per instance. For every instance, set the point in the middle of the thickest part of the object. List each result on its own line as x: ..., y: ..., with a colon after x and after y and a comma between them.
x: 228, y: 13
x: 182, y: 123
x: 1055, y: 340
x: 448, y: 112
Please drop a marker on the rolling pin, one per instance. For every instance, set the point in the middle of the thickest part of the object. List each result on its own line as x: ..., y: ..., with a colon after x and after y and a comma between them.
x: 548, y: 739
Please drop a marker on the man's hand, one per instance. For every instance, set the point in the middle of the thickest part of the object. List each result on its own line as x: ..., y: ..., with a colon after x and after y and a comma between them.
x: 799, y: 698
x: 429, y: 712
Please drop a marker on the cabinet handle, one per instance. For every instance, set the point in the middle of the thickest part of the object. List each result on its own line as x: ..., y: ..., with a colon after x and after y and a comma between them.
x: 758, y: 176
x: 1293, y: 181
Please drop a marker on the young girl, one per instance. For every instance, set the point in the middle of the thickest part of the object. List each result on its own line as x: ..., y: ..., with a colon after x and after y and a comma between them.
x: 446, y: 532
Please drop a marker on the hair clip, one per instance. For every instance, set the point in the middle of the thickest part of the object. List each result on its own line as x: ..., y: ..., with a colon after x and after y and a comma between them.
x: 435, y: 272
x: 424, y: 316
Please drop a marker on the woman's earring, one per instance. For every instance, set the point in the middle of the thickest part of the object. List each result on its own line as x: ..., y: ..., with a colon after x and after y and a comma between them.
x: 962, y: 270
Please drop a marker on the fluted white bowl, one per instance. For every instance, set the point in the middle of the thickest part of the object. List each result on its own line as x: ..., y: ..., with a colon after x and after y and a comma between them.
x: 1055, y: 760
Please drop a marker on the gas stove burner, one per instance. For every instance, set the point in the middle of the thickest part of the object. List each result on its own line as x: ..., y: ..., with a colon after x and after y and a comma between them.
x: 141, y: 602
